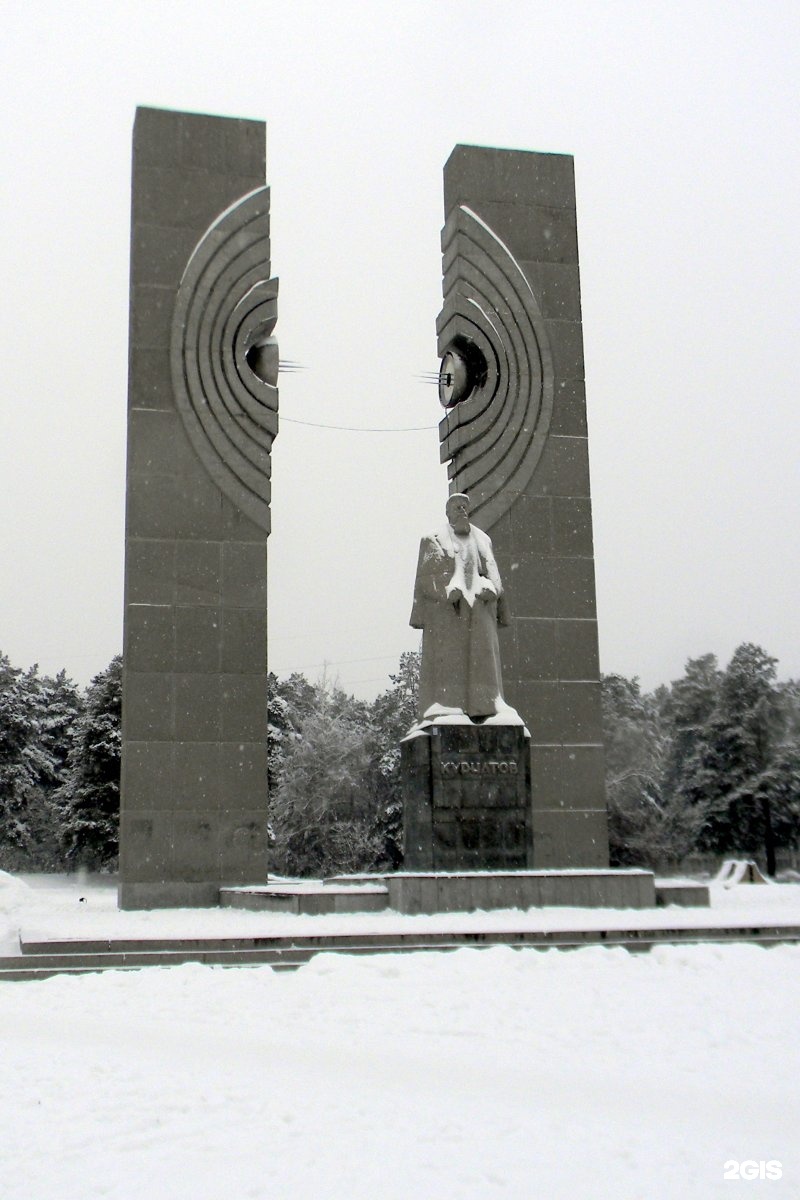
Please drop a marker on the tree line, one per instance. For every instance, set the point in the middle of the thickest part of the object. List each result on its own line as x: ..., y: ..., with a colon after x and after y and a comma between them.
x: 59, y: 769
x: 706, y: 766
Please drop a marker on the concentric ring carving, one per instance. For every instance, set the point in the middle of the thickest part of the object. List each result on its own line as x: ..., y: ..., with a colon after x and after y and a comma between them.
x: 492, y: 438
x: 227, y: 306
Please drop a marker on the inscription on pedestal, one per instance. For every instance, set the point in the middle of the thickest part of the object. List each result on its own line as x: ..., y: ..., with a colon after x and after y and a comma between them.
x: 467, y: 799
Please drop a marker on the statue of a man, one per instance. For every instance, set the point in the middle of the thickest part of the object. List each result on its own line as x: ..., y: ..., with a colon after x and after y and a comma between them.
x: 458, y: 604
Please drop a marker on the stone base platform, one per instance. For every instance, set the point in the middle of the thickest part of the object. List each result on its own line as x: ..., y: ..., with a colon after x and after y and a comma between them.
x: 466, y: 891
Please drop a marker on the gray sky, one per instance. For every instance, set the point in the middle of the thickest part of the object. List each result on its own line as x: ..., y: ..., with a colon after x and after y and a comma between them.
x: 683, y: 120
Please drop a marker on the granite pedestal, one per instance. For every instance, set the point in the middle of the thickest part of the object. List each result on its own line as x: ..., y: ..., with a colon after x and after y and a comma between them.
x: 466, y: 798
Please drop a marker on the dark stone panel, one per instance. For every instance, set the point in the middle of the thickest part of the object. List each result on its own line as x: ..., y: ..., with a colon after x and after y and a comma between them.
x: 197, y: 776
x: 147, y: 710
x: 530, y: 588
x: 244, y: 574
x: 497, y: 174
x: 546, y: 777
x: 549, y: 840
x: 532, y: 233
x: 198, y: 506
x: 148, y: 770
x: 537, y: 656
x: 417, y: 789
x: 190, y: 466
x: 146, y: 844
x: 570, y: 839
x: 584, y: 776
x: 502, y: 534
x: 151, y: 316
x: 557, y: 288
x: 569, y: 408
x: 198, y: 700
x: 566, y: 344
x: 193, y: 198
x: 512, y: 692
x: 236, y: 527
x: 152, y: 441
x: 568, y: 777
x: 243, y: 846
x: 232, y: 145
x: 573, y: 586
x: 150, y: 382
x: 188, y: 463
x: 228, y: 145
x: 159, y: 254
x: 151, y: 506
x: 494, y: 480
x: 572, y: 526
x: 531, y: 525
x: 195, y: 846
x: 563, y: 469
x: 244, y: 707
x: 150, y: 637
x: 167, y: 894
x: 244, y: 641
x: 243, y: 776
x: 579, y: 712
x: 246, y: 148
x: 198, y: 639
x: 576, y: 650
x: 538, y: 702
x: 467, y: 798
x: 202, y: 142
x: 514, y: 834
x: 156, y: 137
x: 198, y: 572
x: 150, y: 574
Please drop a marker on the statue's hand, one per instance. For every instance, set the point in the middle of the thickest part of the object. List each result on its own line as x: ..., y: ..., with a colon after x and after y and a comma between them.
x: 455, y: 596
x: 486, y: 594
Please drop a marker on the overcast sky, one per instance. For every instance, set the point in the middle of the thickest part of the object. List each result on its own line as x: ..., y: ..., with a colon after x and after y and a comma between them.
x: 683, y: 120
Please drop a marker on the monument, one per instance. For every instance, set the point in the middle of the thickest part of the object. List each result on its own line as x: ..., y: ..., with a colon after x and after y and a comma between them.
x: 515, y: 439
x: 202, y: 416
x: 458, y: 604
x: 466, y: 764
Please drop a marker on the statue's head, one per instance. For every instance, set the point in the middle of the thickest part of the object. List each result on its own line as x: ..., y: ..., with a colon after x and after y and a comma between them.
x: 457, y: 509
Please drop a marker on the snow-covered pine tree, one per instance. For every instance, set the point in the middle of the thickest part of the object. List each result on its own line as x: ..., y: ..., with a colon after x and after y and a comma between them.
x: 393, y: 714
x: 743, y: 776
x: 18, y: 784
x: 89, y: 797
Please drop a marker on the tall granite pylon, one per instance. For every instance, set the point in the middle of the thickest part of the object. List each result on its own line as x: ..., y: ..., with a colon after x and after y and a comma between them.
x: 515, y: 438
x: 202, y: 415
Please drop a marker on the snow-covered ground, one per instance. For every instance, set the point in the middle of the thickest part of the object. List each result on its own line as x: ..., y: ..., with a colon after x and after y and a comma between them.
x: 508, y: 1073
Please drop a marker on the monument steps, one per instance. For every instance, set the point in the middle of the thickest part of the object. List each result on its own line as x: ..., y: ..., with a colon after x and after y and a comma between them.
x: 40, y: 959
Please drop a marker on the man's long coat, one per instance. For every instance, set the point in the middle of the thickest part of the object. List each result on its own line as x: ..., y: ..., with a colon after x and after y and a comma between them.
x: 460, y: 652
